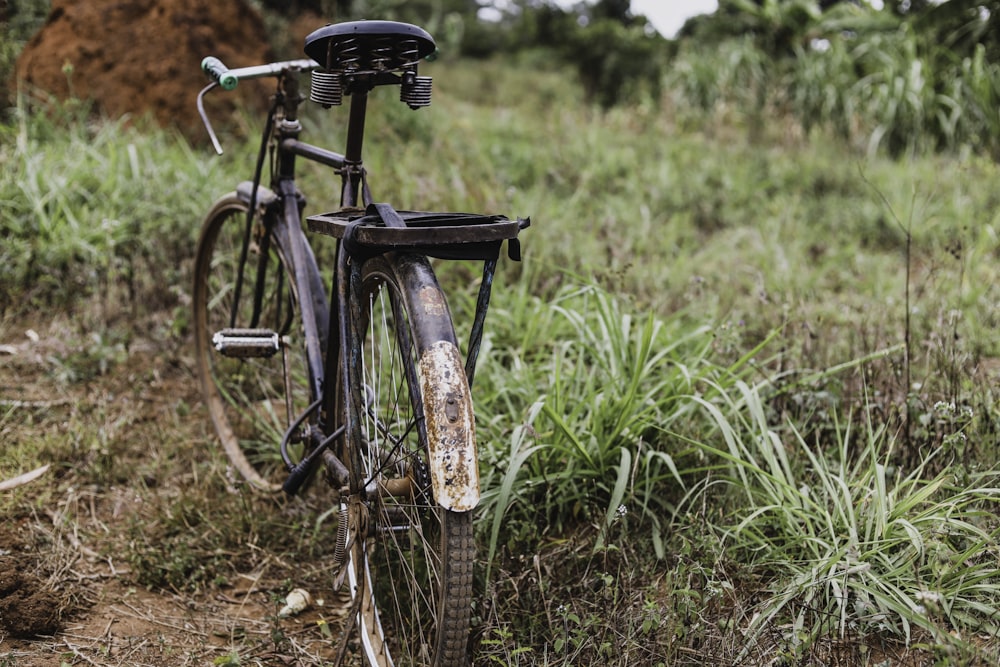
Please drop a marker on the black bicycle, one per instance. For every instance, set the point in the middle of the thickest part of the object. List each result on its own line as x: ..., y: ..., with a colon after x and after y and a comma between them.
x: 364, y: 386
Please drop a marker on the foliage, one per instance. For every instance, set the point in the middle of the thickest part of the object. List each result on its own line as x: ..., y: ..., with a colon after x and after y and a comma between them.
x: 927, y: 79
x: 19, y: 19
x: 846, y: 541
x: 79, y: 215
x: 778, y: 27
x: 887, y: 87
x: 592, y: 389
x: 616, y: 62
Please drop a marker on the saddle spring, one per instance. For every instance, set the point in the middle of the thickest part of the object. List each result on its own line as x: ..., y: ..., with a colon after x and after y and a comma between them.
x: 386, y: 54
x: 327, y: 88
x: 414, y: 91
x: 349, y: 57
x: 383, y: 54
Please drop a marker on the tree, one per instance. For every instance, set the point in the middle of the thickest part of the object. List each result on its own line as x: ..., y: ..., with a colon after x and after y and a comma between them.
x: 615, y: 10
x: 959, y: 26
x: 779, y: 26
x: 615, y: 60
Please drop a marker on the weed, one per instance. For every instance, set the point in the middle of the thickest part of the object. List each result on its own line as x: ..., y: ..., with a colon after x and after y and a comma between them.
x: 849, y: 542
x: 231, y: 659
x: 592, y: 393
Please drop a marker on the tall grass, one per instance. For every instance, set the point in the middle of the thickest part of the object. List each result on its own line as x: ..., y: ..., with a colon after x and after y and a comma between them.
x: 878, y: 89
x: 99, y: 207
x: 847, y: 542
x: 589, y: 382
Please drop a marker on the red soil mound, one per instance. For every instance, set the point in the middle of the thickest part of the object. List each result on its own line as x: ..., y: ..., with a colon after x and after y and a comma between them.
x: 138, y: 56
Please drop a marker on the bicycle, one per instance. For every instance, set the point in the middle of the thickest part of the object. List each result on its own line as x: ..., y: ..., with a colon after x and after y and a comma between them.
x: 364, y: 386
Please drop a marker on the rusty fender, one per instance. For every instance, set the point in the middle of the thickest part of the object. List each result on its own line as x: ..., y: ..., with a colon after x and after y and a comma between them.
x: 451, y: 430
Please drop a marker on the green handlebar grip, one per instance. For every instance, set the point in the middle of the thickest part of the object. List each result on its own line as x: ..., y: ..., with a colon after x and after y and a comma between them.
x: 219, y: 72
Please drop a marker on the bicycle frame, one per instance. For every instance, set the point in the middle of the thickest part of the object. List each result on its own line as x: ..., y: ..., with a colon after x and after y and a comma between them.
x: 452, y: 440
x: 282, y: 131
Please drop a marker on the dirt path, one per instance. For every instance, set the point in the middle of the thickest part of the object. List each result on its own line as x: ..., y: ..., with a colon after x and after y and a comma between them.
x: 136, y: 547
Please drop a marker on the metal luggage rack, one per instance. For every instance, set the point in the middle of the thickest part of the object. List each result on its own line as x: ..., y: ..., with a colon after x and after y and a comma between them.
x: 379, y: 228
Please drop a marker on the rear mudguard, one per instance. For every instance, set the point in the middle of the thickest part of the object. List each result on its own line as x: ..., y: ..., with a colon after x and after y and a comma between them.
x: 451, y: 428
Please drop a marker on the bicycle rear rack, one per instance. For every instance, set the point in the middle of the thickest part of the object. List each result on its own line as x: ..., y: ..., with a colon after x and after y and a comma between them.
x: 441, y: 235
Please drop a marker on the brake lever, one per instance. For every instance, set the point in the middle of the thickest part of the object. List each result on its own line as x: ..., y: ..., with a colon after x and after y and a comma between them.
x: 204, y: 117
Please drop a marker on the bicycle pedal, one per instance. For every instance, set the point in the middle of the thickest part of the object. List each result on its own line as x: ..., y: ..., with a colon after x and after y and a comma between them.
x: 246, y: 343
x: 394, y: 525
x: 400, y: 536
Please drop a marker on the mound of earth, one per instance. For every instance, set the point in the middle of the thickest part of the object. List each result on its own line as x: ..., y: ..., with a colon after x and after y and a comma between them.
x: 138, y: 56
x: 28, y: 605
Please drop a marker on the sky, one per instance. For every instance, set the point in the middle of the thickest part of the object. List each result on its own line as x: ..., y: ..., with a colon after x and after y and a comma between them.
x: 667, y: 16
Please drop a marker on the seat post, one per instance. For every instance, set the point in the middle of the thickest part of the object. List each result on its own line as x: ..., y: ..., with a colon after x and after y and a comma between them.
x: 353, y: 166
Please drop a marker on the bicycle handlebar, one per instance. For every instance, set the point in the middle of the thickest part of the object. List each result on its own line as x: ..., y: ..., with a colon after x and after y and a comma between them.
x: 229, y: 78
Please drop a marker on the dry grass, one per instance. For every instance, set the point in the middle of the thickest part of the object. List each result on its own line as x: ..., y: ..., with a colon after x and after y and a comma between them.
x: 135, y: 493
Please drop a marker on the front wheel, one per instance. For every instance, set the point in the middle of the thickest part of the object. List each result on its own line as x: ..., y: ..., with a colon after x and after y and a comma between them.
x: 243, y: 282
x: 413, y: 565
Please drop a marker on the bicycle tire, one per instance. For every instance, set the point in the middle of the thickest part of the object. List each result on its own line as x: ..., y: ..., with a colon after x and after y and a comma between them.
x: 249, y: 400
x: 413, y: 569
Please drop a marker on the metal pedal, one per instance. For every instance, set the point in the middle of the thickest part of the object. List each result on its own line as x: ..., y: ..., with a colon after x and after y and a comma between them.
x: 246, y: 343
x: 394, y: 525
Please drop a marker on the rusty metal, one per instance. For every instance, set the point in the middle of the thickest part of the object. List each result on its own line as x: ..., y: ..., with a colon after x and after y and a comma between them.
x: 397, y: 487
x: 479, y: 320
x: 423, y: 228
x: 451, y: 428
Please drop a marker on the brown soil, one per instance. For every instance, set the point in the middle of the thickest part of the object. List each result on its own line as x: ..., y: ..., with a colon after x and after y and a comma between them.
x: 28, y: 605
x: 139, y: 56
x: 137, y: 547
x: 92, y: 568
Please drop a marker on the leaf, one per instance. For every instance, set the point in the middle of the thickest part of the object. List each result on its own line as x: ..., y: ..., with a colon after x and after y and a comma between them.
x: 21, y: 480
x: 617, y: 494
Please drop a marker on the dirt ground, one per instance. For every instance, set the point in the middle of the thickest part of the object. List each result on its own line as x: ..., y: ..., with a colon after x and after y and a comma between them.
x: 91, y: 571
x: 137, y: 547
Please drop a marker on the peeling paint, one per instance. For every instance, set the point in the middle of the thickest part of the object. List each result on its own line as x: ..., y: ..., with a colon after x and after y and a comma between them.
x: 451, y: 429
x: 432, y: 301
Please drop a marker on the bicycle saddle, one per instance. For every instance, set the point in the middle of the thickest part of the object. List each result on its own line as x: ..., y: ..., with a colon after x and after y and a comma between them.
x: 369, y: 45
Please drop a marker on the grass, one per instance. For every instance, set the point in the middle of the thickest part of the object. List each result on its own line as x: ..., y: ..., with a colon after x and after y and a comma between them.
x: 698, y: 436
x: 849, y: 541
x: 81, y: 218
x: 594, y: 381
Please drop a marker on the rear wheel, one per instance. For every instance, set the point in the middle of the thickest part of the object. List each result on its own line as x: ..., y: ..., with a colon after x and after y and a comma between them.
x: 252, y: 400
x: 413, y: 567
